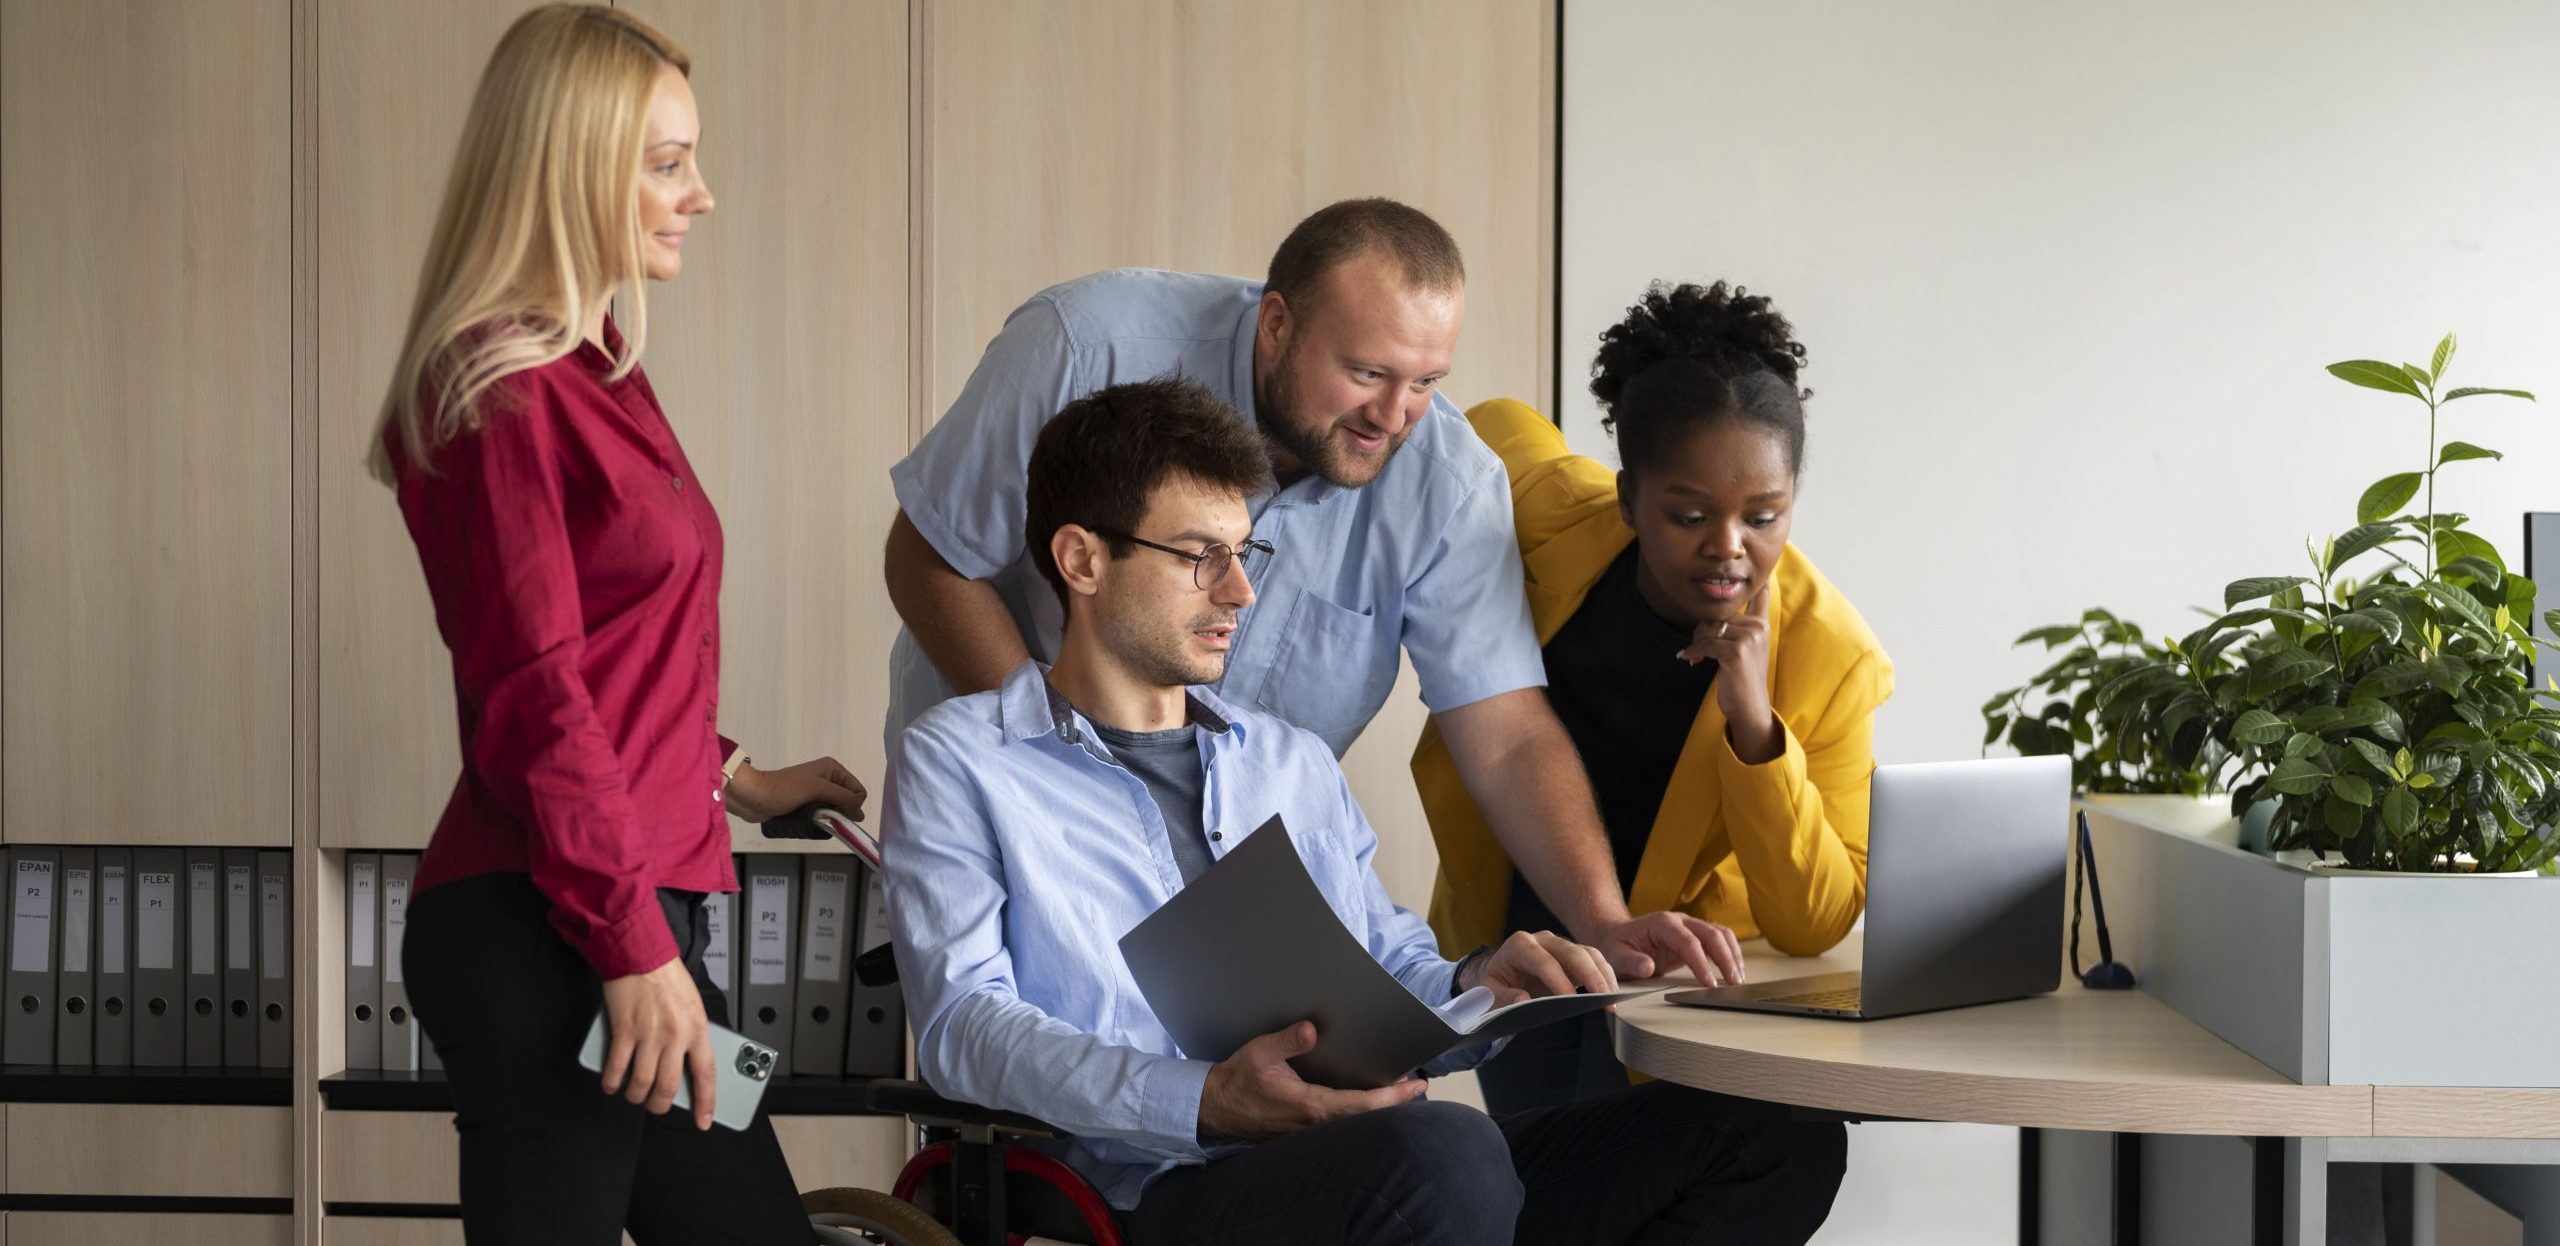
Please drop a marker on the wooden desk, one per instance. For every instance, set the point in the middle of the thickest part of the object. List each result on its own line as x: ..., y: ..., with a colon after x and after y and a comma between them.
x: 2115, y: 1062
x: 2105, y: 1061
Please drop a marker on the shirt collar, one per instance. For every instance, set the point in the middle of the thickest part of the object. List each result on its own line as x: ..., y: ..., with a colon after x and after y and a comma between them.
x: 1240, y: 376
x: 1029, y: 707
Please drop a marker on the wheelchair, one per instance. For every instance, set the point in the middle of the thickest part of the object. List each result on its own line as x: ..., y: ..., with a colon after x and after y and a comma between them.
x: 971, y: 1183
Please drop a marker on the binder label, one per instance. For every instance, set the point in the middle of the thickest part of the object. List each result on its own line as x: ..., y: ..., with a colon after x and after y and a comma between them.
x: 204, y: 907
x: 31, y: 923
x: 360, y: 883
x: 111, y: 919
x: 236, y: 940
x: 271, y: 942
x: 75, y: 920
x: 822, y: 961
x: 715, y: 926
x: 395, y: 925
x: 875, y: 913
x: 155, y: 924
x: 770, y: 898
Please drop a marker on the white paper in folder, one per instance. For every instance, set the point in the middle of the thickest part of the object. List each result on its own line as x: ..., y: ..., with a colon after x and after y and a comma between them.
x: 1251, y: 946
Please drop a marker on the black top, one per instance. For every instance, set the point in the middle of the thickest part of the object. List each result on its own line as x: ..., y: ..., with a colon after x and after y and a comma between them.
x: 1616, y: 679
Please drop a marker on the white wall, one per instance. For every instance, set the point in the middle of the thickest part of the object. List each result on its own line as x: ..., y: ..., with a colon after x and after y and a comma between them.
x: 2068, y: 275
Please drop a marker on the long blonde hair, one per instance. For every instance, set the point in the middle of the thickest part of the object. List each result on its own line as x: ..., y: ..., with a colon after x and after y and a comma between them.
x: 540, y: 226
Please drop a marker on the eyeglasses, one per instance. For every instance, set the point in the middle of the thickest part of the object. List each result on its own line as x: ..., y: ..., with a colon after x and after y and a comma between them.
x: 1209, y: 567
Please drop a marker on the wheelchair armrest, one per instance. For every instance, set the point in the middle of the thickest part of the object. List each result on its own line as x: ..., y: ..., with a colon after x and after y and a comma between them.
x: 919, y: 1102
x: 800, y: 823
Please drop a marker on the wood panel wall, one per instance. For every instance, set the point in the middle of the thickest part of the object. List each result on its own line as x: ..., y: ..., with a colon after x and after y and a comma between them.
x: 211, y: 224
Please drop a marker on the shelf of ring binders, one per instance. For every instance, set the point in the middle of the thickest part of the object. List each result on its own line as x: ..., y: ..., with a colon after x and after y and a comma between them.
x: 147, y: 974
x: 782, y: 950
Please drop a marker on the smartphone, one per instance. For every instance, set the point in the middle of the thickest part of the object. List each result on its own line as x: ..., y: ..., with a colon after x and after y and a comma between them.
x: 745, y: 1068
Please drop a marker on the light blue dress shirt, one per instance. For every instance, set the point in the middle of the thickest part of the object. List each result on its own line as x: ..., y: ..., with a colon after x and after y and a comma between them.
x: 1018, y: 853
x: 1424, y: 557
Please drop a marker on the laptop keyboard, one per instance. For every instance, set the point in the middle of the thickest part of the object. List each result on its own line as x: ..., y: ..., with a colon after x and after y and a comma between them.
x: 1844, y: 999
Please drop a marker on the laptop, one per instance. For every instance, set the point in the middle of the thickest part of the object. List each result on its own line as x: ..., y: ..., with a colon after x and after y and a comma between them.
x: 1964, y: 895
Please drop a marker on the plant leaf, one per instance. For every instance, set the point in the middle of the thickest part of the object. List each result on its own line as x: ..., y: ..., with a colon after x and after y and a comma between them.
x: 2303, y: 744
x: 2478, y: 570
x: 2297, y: 776
x: 2399, y: 811
x: 2454, y: 545
x: 2059, y: 633
x: 2376, y: 620
x: 2255, y: 587
x: 2372, y: 754
x: 2464, y: 604
x: 2358, y: 539
x: 2470, y: 390
x: 2353, y: 790
x: 1993, y: 725
x: 2283, y: 671
x: 2417, y: 375
x: 2460, y: 451
x: 2444, y: 355
x: 2259, y: 727
x: 2375, y: 374
x: 2386, y: 496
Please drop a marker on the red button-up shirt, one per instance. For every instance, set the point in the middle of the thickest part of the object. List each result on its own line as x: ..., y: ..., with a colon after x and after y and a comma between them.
x: 575, y: 567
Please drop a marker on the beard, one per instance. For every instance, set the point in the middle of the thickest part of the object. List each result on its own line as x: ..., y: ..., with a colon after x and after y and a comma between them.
x: 1275, y: 403
x: 1165, y: 659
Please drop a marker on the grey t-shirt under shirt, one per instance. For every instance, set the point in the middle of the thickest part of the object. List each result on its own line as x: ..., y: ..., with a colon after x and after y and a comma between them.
x: 1168, y: 762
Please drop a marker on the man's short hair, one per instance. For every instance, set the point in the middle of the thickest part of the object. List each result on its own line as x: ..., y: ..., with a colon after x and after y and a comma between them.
x: 1421, y: 250
x: 1096, y: 464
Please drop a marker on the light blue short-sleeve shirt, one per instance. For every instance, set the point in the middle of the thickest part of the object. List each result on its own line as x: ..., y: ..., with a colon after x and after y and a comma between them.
x: 1423, y: 558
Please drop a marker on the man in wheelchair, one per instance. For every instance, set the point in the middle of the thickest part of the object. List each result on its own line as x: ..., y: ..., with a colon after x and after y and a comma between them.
x: 1029, y: 827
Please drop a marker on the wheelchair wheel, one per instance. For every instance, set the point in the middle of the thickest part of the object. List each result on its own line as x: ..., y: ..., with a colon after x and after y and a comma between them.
x: 844, y: 1217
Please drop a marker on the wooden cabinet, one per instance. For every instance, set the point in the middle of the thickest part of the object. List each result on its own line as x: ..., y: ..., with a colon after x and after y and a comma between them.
x: 146, y: 499
x: 88, y: 1228
x: 781, y: 356
x: 150, y: 1150
x: 392, y: 84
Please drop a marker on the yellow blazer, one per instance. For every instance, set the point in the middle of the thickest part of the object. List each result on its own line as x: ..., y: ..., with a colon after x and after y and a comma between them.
x: 1778, y: 849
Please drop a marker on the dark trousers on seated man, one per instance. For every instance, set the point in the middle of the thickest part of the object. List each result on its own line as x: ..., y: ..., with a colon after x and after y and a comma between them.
x: 1655, y: 1164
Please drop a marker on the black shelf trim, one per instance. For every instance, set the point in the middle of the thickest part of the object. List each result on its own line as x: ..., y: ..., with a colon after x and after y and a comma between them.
x: 370, y: 1090
x: 396, y: 1211
x: 36, y: 1083
x: 164, y: 1204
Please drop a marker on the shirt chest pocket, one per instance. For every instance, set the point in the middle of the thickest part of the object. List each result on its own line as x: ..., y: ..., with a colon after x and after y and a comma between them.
x: 1335, y: 667
x: 1337, y: 872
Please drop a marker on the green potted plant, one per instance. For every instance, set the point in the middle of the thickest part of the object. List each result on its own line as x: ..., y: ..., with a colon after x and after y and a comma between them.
x: 2121, y: 752
x: 2384, y: 702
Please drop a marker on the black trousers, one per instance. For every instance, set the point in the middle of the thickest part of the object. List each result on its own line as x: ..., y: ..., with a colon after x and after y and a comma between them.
x: 1651, y: 1165
x: 1551, y: 1065
x: 547, y: 1156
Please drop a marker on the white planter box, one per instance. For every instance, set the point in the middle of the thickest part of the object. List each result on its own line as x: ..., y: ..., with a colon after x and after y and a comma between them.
x: 2417, y: 980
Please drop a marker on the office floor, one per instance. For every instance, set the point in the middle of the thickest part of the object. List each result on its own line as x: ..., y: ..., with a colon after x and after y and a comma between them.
x: 1909, y: 1184
x: 1913, y: 1184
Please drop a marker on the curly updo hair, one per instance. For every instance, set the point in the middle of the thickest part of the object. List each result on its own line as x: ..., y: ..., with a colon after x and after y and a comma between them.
x: 1688, y: 357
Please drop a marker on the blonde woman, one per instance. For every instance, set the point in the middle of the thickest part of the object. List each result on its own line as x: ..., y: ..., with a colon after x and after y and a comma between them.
x: 575, y: 568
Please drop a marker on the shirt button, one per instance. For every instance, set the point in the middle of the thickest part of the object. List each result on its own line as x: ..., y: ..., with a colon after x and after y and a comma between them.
x: 1217, y: 837
x: 677, y: 481
x: 706, y: 640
